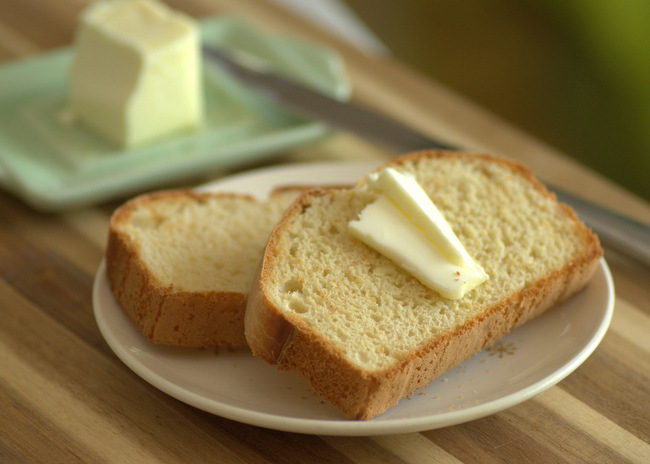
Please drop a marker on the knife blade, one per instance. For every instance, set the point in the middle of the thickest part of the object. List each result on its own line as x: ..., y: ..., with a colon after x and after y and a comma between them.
x: 624, y: 234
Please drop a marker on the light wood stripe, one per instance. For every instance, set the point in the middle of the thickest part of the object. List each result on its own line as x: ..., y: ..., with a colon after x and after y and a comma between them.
x: 590, y: 422
x: 632, y: 324
x: 628, y: 353
x: 91, y: 397
x: 414, y: 448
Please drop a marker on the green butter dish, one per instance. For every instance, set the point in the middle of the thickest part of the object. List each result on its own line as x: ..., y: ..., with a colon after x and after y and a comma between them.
x: 54, y: 164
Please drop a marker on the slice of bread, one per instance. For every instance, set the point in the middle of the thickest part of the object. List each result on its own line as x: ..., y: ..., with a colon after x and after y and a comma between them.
x: 364, y: 332
x: 181, y: 263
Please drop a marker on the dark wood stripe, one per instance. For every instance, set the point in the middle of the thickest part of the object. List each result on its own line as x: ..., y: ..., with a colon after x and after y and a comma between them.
x: 8, y: 453
x: 64, y: 291
x: 106, y: 387
x: 279, y: 447
x: 492, y: 440
x: 572, y: 444
x: 528, y: 432
x: 51, y: 232
x: 606, y: 385
x: 42, y: 22
x: 47, y: 442
x: 364, y: 450
x: 631, y: 280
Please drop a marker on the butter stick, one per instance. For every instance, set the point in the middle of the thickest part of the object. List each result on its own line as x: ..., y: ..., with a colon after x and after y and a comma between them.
x: 136, y: 75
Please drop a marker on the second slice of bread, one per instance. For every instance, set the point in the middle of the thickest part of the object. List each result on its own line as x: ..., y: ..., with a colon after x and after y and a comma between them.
x: 364, y: 332
x: 180, y: 263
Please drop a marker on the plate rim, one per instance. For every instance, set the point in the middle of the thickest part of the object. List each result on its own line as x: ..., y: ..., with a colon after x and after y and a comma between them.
x: 345, y: 427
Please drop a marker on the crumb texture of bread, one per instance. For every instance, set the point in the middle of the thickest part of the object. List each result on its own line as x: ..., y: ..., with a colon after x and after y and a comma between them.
x: 181, y: 263
x: 366, y: 333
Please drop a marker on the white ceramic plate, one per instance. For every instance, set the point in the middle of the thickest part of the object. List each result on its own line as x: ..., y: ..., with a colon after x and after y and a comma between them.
x: 238, y: 386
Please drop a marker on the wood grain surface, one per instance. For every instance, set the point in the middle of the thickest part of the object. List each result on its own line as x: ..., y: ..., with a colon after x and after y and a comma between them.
x: 66, y: 398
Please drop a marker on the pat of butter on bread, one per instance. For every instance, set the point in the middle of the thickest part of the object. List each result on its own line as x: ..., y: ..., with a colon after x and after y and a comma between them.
x: 366, y: 333
x: 136, y: 75
x: 405, y: 226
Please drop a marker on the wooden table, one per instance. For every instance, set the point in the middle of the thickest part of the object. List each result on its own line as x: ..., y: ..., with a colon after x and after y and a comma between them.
x: 65, y: 397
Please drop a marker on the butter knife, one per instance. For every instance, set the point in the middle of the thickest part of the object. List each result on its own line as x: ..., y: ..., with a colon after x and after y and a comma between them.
x: 621, y: 233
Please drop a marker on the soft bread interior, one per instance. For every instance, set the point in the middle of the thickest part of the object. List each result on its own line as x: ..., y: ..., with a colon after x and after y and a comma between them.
x: 375, y: 312
x: 211, y: 243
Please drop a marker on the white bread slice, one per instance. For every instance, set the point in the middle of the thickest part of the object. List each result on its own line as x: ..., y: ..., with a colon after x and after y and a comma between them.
x: 180, y: 263
x: 364, y: 332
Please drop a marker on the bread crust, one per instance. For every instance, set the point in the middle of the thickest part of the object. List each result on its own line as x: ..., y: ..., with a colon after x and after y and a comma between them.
x: 281, y: 339
x: 163, y: 314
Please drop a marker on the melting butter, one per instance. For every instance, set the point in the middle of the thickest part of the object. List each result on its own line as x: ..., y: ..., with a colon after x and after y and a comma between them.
x: 405, y: 226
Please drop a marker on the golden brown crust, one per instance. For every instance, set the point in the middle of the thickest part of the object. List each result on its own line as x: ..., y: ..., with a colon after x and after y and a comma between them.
x: 280, y: 340
x: 163, y: 314
x: 265, y: 327
x: 302, y: 188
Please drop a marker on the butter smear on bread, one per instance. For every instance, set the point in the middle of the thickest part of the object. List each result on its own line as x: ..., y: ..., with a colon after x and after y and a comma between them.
x: 136, y: 75
x: 404, y: 225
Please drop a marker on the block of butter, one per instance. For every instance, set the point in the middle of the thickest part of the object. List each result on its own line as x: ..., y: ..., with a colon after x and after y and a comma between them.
x: 136, y: 75
x: 405, y: 226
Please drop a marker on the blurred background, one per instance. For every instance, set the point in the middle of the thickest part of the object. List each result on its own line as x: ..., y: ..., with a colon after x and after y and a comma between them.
x: 573, y: 73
